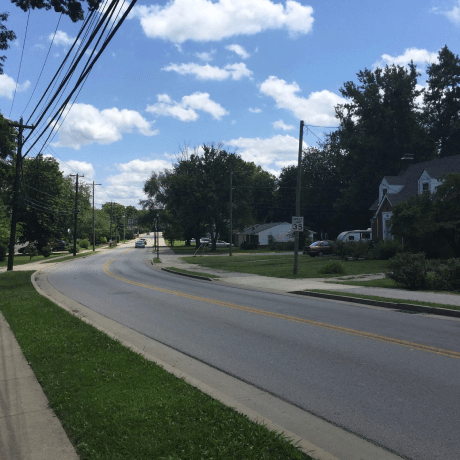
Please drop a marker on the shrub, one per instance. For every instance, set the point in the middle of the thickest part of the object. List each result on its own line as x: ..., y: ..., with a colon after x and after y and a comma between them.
x: 334, y: 267
x: 385, y: 250
x: 103, y: 240
x: 248, y: 245
x: 3, y: 251
x: 83, y: 244
x: 443, y: 276
x: 45, y: 251
x: 31, y: 251
x: 71, y: 249
x: 408, y: 270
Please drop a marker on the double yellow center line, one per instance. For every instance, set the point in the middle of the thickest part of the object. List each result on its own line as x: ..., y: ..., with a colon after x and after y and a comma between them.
x: 367, y: 335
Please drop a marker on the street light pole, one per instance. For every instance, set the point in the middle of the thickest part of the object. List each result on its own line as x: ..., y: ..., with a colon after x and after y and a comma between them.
x: 297, y: 199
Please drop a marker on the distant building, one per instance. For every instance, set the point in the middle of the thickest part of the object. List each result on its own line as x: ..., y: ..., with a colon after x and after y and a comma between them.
x: 418, y: 178
x: 258, y: 234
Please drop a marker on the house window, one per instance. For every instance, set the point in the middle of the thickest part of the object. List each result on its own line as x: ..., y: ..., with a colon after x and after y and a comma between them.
x: 425, y: 187
x: 384, y: 191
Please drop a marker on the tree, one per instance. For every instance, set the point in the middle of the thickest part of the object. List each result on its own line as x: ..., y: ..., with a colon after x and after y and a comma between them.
x: 5, y: 37
x: 379, y: 123
x: 442, y: 103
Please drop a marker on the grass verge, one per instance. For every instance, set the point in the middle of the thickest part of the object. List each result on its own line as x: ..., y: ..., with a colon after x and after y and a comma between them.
x: 72, y: 257
x: 281, y: 266
x: 113, y: 403
x: 386, y: 299
x: 23, y: 259
x: 189, y: 272
x: 156, y: 261
x: 380, y: 283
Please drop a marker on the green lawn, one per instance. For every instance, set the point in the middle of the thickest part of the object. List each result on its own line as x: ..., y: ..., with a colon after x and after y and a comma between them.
x: 281, y: 266
x: 22, y: 259
x: 113, y: 403
x: 180, y: 249
x: 379, y: 283
x: 188, y: 272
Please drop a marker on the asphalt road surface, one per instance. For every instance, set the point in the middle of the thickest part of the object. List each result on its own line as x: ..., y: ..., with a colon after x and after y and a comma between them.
x: 392, y: 378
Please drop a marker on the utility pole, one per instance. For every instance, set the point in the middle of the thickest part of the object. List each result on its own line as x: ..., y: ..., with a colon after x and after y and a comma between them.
x: 14, y: 207
x: 111, y: 209
x: 231, y: 211
x: 76, y: 214
x: 94, y: 224
x: 297, y: 199
x: 158, y: 236
x: 124, y: 227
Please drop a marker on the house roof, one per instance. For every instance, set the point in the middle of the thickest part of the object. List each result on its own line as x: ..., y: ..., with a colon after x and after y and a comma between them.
x: 255, y: 229
x: 409, y: 178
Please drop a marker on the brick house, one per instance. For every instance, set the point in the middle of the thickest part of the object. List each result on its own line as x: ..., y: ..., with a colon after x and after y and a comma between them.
x: 415, y: 180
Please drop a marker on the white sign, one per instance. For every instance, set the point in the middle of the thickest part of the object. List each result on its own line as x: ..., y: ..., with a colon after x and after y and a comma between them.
x: 297, y: 224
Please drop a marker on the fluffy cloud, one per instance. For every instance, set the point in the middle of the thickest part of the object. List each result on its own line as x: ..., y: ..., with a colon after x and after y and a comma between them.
x: 205, y: 20
x: 62, y: 39
x: 419, y: 56
x: 281, y: 125
x: 8, y: 85
x: 255, y: 110
x: 271, y: 153
x: 238, y: 49
x: 80, y: 167
x: 317, y: 109
x: 186, y: 110
x: 208, y: 72
x: 206, y: 56
x: 453, y: 14
x: 85, y: 124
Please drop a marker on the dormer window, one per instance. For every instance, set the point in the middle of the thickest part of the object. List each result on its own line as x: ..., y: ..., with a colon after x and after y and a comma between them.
x: 425, y: 186
x: 384, y: 191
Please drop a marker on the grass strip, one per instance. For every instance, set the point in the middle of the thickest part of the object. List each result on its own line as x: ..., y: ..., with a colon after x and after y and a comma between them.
x: 189, y: 272
x: 72, y: 257
x: 23, y: 259
x: 156, y: 261
x: 281, y: 266
x: 379, y: 283
x: 113, y: 403
x: 386, y: 299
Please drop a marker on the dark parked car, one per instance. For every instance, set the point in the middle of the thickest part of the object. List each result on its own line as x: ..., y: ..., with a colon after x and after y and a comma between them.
x: 61, y: 245
x: 320, y: 248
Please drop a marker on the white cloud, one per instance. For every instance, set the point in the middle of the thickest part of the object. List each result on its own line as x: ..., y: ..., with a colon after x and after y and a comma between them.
x: 238, y: 49
x: 205, y: 20
x: 208, y: 72
x: 317, y: 109
x: 85, y: 124
x: 8, y: 85
x: 62, y: 39
x: 281, y: 125
x: 419, y: 56
x: 453, y: 14
x: 186, y: 109
x: 255, y: 110
x: 206, y: 56
x: 271, y: 153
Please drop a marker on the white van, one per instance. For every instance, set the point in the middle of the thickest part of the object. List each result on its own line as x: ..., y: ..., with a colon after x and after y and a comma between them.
x: 355, y: 235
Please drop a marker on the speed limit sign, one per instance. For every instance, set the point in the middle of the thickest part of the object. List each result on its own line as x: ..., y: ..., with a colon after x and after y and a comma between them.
x: 297, y: 224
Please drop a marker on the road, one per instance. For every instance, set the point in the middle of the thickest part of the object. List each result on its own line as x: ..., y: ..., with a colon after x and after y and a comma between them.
x: 392, y: 378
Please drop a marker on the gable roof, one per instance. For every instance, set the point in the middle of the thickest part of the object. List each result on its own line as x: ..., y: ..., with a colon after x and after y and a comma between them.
x: 255, y: 229
x: 409, y: 178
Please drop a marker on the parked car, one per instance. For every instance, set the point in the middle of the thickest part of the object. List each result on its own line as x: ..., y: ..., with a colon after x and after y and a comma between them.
x: 61, y: 245
x: 139, y: 244
x: 222, y: 244
x: 320, y: 248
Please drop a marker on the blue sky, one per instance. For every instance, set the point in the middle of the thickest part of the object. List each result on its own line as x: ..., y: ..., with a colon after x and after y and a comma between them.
x: 238, y: 72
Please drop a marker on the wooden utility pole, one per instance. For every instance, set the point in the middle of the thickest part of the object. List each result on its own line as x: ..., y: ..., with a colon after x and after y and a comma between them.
x: 231, y: 211
x: 14, y: 207
x: 94, y: 223
x: 297, y: 199
x: 75, y: 214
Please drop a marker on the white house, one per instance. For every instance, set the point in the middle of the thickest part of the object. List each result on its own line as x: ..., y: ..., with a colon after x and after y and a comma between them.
x: 259, y: 233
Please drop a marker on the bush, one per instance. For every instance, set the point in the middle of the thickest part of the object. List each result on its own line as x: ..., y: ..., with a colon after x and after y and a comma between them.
x: 3, y: 251
x: 31, y: 250
x: 334, y: 267
x: 248, y: 245
x: 103, y: 240
x: 408, y: 270
x: 83, y: 244
x: 354, y: 249
x: 71, y: 249
x: 385, y: 250
x: 443, y: 276
x: 45, y: 251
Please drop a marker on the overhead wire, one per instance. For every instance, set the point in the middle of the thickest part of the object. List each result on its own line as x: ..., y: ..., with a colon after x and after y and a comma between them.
x: 20, y: 64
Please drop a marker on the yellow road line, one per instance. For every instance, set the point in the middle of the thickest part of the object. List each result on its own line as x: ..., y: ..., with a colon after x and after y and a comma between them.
x: 368, y: 335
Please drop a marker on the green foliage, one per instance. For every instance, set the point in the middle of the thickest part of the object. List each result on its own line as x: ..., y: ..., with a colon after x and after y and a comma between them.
x: 334, y: 267
x: 354, y: 249
x: 279, y: 245
x: 248, y: 245
x: 84, y: 244
x: 5, y: 37
x: 443, y: 275
x: 385, y: 250
x: 408, y: 270
x: 45, y: 251
x: 31, y: 250
x: 103, y: 240
x: 71, y: 249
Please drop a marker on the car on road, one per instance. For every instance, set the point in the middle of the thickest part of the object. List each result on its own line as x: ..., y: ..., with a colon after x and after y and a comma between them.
x: 320, y: 248
x: 140, y: 244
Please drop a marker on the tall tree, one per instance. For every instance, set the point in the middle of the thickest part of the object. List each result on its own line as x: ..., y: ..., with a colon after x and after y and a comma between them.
x: 5, y: 37
x: 379, y: 123
x: 442, y: 103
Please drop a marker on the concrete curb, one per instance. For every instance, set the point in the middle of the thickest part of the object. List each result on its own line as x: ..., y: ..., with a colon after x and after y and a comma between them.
x: 189, y: 275
x: 380, y: 303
